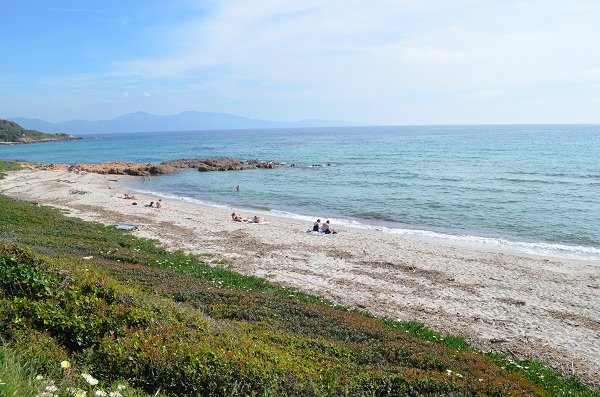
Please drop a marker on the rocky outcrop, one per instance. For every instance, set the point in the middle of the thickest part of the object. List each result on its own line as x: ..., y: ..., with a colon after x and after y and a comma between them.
x: 168, y: 167
x: 121, y: 168
x: 220, y: 164
x: 116, y: 167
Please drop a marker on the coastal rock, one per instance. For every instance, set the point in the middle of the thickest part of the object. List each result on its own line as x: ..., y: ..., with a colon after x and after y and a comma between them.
x: 116, y: 168
x: 168, y: 167
x: 123, y: 168
x: 262, y: 164
x: 220, y: 164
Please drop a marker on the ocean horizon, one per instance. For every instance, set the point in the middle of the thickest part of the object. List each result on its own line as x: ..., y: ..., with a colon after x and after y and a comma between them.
x: 525, y: 188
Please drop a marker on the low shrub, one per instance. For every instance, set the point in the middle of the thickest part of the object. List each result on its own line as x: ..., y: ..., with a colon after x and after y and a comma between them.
x: 77, y: 314
x: 121, y: 333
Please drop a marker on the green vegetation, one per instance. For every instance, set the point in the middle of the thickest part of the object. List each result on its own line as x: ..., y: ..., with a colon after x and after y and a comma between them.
x: 13, y: 132
x: 129, y: 312
x: 9, y: 166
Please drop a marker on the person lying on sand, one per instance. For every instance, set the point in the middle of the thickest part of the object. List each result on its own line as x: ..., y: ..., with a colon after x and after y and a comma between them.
x: 258, y: 219
x: 128, y: 196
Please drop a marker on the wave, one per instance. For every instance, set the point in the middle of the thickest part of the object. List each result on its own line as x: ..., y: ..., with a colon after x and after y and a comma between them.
x: 554, y: 250
x: 181, y: 198
x: 575, y: 175
x: 531, y: 181
x: 563, y: 251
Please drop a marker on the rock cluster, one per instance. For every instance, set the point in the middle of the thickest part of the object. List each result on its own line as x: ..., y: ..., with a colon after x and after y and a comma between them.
x: 220, y: 164
x: 168, y: 167
x: 116, y: 167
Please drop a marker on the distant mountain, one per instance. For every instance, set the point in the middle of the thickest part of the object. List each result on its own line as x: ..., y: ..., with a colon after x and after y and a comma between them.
x: 11, y: 132
x: 146, y: 122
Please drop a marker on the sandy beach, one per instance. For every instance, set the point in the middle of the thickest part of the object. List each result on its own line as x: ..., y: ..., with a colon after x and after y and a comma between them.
x: 529, y: 307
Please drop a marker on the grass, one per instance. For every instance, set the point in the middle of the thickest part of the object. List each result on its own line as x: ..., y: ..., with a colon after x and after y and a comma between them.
x: 17, y: 375
x: 8, y: 166
x: 184, y: 325
x: 20, y: 376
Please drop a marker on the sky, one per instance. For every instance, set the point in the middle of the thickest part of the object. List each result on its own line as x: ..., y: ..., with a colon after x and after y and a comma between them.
x: 386, y: 62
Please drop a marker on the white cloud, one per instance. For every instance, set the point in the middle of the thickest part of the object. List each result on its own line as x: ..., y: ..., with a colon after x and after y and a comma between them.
x: 363, y: 61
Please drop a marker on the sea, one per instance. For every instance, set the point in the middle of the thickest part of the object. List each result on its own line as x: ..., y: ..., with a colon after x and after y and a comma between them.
x: 532, y: 189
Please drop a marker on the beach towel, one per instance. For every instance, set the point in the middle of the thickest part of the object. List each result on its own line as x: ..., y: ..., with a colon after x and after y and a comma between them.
x: 319, y: 232
x: 128, y: 228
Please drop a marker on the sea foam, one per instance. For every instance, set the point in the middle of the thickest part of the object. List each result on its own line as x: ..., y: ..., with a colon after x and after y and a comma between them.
x: 563, y: 251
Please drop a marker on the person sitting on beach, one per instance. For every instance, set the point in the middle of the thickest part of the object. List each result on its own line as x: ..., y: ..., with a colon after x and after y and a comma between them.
x: 237, y: 218
x: 326, y: 228
x: 317, y: 226
x: 158, y: 203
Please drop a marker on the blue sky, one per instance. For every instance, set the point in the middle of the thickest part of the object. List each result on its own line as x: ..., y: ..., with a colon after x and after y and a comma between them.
x: 383, y: 62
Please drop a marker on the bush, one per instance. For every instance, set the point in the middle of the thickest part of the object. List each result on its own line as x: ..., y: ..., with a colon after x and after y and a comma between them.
x: 77, y: 314
x: 24, y: 275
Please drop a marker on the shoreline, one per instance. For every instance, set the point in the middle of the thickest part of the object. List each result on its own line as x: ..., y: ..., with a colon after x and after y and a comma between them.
x: 526, y: 306
x: 45, y: 140
x: 501, y: 245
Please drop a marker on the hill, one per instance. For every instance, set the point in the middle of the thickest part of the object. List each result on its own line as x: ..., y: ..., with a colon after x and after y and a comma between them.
x: 11, y: 132
x: 185, y: 121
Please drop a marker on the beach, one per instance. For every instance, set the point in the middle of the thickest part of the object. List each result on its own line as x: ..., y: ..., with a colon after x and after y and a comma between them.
x: 529, y: 307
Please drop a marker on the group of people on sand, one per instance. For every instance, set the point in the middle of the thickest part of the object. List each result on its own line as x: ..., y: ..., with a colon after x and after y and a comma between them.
x: 153, y: 204
x: 323, y: 228
x: 157, y: 204
x: 254, y: 219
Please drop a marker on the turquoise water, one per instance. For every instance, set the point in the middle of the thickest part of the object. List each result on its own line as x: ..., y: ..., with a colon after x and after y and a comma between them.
x: 531, y: 188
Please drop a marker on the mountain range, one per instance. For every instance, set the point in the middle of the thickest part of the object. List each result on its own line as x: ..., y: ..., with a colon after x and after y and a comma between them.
x: 146, y: 122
